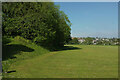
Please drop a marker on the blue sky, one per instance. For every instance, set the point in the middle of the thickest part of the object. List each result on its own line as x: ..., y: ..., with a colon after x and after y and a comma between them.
x: 92, y: 19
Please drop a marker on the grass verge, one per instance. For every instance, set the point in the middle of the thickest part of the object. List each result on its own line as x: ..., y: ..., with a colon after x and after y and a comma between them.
x: 18, y: 49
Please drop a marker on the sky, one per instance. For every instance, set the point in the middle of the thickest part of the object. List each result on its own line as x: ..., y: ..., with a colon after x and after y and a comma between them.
x: 92, y: 19
x: 59, y: 0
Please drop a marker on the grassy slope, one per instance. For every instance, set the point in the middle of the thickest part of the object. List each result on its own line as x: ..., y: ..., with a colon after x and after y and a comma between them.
x: 86, y: 62
x: 18, y: 50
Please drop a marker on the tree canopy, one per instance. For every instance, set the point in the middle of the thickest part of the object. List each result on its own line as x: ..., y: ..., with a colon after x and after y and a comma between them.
x: 40, y: 22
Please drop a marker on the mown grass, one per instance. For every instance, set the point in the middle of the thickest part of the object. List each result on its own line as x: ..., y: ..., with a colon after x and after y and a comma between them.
x: 18, y: 49
x: 73, y: 61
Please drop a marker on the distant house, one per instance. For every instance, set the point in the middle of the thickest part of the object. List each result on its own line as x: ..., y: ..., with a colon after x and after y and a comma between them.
x: 107, y: 39
x: 81, y: 40
x: 73, y: 37
x: 97, y: 39
x: 103, y: 39
x: 94, y: 41
x: 116, y: 43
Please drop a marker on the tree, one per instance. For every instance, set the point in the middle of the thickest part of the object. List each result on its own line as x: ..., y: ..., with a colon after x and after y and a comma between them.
x: 40, y: 22
x: 88, y: 40
x: 74, y: 41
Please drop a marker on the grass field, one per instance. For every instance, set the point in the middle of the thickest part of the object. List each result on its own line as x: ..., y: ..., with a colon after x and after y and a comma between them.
x: 75, y: 61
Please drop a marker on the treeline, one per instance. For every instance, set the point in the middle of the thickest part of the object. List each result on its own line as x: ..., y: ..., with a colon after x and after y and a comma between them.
x: 94, y: 41
x: 41, y: 22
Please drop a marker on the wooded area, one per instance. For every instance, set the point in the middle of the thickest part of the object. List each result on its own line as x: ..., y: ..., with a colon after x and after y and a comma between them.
x: 40, y: 22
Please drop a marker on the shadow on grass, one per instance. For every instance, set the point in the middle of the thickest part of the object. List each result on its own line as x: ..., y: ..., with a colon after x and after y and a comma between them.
x: 66, y: 48
x: 10, y: 50
x: 11, y: 71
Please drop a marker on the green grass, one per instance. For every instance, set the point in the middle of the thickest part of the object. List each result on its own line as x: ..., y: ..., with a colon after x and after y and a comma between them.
x: 75, y: 61
x: 18, y: 49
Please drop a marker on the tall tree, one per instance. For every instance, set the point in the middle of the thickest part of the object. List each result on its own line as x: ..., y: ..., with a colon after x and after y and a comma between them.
x: 40, y: 22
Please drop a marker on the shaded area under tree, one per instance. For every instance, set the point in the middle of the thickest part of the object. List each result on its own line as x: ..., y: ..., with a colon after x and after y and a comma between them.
x: 10, y: 50
x: 65, y: 48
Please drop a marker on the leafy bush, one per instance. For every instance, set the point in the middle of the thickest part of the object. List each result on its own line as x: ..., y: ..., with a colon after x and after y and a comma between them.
x: 18, y: 38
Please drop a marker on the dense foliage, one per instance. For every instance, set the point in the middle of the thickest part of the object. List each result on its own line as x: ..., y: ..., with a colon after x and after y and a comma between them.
x: 74, y: 41
x: 40, y: 22
x: 88, y: 40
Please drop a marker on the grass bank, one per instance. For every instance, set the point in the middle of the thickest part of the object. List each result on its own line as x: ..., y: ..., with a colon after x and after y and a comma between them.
x: 18, y: 49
